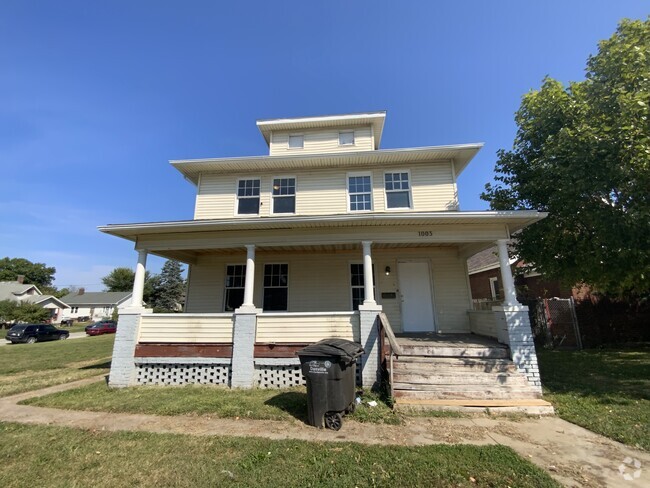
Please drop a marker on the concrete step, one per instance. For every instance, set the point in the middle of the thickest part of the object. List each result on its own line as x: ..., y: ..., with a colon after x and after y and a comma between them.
x: 431, y: 349
x: 529, y: 406
x: 458, y: 365
x: 464, y: 379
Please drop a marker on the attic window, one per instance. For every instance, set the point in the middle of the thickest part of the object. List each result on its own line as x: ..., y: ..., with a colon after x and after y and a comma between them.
x: 296, y: 141
x: 346, y: 138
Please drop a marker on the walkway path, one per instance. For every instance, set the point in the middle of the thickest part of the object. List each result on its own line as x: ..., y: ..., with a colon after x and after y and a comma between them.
x: 573, y: 456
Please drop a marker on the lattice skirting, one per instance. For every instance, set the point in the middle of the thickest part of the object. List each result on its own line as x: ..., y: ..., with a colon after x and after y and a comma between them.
x: 284, y: 376
x: 183, y: 374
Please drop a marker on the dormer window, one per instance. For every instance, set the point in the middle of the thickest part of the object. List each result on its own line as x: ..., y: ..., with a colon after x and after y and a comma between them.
x: 296, y: 141
x: 346, y: 138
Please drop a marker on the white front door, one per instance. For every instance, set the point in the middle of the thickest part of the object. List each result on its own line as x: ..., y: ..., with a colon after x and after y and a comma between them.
x: 417, y: 298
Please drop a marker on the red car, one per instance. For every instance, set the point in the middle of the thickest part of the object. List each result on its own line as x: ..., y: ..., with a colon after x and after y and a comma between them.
x: 103, y: 327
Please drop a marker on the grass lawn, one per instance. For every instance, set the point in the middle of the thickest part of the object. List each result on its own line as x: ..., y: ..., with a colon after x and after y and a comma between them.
x: 62, y: 457
x: 605, y: 391
x: 25, y: 367
x: 264, y: 404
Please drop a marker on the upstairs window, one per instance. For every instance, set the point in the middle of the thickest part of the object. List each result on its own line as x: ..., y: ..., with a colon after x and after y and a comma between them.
x: 296, y: 141
x: 248, y: 197
x: 346, y: 138
x: 360, y: 193
x: 398, y: 190
x: 284, y: 195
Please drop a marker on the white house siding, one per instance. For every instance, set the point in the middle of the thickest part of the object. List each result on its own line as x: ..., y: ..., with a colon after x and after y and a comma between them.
x: 320, y: 282
x: 325, y: 192
x: 321, y: 141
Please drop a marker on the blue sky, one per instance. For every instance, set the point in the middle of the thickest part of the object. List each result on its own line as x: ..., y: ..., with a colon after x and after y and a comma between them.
x: 96, y: 97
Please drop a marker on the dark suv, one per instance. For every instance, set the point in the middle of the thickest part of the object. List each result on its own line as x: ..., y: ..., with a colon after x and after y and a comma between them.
x: 31, y: 333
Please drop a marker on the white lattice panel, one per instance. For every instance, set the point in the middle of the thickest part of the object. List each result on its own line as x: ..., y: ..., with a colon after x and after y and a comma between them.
x: 183, y: 374
x: 278, y: 376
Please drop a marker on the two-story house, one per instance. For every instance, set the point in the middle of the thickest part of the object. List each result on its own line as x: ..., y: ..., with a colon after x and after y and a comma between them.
x: 315, y: 239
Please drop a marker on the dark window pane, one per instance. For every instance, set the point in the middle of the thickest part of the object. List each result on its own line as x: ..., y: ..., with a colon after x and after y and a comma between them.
x: 234, y: 298
x: 275, y: 299
x: 248, y: 206
x: 284, y: 204
x: 358, y: 296
x: 398, y: 199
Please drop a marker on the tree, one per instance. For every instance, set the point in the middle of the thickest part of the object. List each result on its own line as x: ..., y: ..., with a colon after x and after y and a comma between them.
x: 582, y: 153
x: 37, y: 274
x: 25, y: 312
x: 121, y: 279
x: 170, y: 288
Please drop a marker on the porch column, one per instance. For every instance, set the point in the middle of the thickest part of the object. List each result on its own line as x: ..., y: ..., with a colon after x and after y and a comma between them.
x: 250, y: 276
x: 368, y: 285
x: 506, y: 275
x: 138, y: 282
x: 123, y: 369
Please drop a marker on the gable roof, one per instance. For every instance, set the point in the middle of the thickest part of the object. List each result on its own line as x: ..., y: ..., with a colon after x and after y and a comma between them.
x: 375, y: 119
x: 10, y: 290
x: 36, y: 299
x: 96, y: 298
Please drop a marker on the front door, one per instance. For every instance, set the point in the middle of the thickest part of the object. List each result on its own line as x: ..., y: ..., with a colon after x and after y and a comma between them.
x: 416, y: 295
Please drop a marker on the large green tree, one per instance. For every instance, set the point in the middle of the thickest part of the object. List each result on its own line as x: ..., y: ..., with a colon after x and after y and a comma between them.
x: 24, y: 312
x: 38, y: 274
x: 582, y: 153
x: 121, y: 279
x: 170, y: 288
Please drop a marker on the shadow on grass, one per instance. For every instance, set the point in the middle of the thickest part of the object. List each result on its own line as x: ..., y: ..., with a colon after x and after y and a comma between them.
x: 292, y: 402
x: 104, y: 365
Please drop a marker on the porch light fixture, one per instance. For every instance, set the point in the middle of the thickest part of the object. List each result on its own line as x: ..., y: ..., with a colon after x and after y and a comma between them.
x: 387, y: 270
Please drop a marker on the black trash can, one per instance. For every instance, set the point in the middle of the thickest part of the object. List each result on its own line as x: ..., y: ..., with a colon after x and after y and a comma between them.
x: 329, y: 366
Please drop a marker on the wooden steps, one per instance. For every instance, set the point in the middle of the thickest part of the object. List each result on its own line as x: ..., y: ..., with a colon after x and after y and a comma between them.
x: 461, y: 374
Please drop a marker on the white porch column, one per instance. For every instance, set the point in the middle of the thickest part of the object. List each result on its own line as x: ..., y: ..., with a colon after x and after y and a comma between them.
x: 506, y: 275
x: 138, y: 282
x: 368, y: 280
x: 250, y: 276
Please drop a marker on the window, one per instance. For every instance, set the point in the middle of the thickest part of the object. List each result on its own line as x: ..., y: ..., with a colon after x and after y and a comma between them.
x: 74, y: 309
x: 357, y: 284
x: 397, y: 190
x: 296, y: 141
x: 276, y: 287
x: 235, y: 281
x: 346, y: 138
x: 284, y: 195
x: 359, y: 191
x: 248, y: 197
x: 495, y: 288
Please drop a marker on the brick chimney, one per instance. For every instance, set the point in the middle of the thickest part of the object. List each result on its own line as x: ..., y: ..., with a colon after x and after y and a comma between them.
x: 81, y: 291
x: 20, y: 279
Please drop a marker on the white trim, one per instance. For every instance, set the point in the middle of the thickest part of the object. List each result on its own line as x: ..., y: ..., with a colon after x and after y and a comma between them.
x: 295, y: 195
x: 453, y: 179
x: 410, y: 182
x: 434, y: 310
x: 347, y: 191
x: 321, y: 118
x: 493, y: 287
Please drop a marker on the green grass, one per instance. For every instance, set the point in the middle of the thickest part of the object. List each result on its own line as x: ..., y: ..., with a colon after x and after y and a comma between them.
x: 605, y: 391
x: 25, y: 367
x: 263, y: 404
x: 63, y: 457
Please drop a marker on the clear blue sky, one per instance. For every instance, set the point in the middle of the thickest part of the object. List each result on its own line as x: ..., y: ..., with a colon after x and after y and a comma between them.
x: 96, y: 97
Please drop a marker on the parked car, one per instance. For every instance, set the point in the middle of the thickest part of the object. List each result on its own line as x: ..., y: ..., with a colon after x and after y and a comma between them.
x: 101, y: 327
x: 31, y: 333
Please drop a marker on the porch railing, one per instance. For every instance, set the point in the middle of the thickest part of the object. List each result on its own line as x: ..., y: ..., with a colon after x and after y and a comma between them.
x: 483, y: 322
x: 189, y: 328
x: 387, y: 340
x: 306, y: 327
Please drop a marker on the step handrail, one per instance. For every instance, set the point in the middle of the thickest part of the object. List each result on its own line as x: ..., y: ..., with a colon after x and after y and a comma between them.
x: 388, y: 330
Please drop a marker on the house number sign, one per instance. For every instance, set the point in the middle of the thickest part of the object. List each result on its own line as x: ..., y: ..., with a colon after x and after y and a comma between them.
x: 425, y: 233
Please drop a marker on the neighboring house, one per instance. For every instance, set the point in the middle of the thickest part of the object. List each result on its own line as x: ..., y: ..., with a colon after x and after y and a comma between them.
x: 316, y: 239
x: 17, y: 291
x: 486, y: 282
x: 95, y: 305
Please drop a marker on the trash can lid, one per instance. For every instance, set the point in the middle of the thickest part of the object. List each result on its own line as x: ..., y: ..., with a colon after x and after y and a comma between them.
x: 341, y: 348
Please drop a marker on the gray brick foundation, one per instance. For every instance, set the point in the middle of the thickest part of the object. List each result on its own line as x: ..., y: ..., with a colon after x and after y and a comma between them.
x: 370, y: 343
x: 243, y: 348
x: 123, y: 371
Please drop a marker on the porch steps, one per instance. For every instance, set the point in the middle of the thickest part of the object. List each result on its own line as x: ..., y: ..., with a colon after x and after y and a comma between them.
x: 461, y: 375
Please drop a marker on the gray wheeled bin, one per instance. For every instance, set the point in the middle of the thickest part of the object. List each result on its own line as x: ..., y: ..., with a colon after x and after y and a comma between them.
x: 329, y: 366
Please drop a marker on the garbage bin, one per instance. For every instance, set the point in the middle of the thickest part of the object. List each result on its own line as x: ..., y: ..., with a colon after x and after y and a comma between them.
x: 329, y: 366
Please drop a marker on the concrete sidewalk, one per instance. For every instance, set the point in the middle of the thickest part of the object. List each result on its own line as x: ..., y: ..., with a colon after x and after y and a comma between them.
x: 572, y: 455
